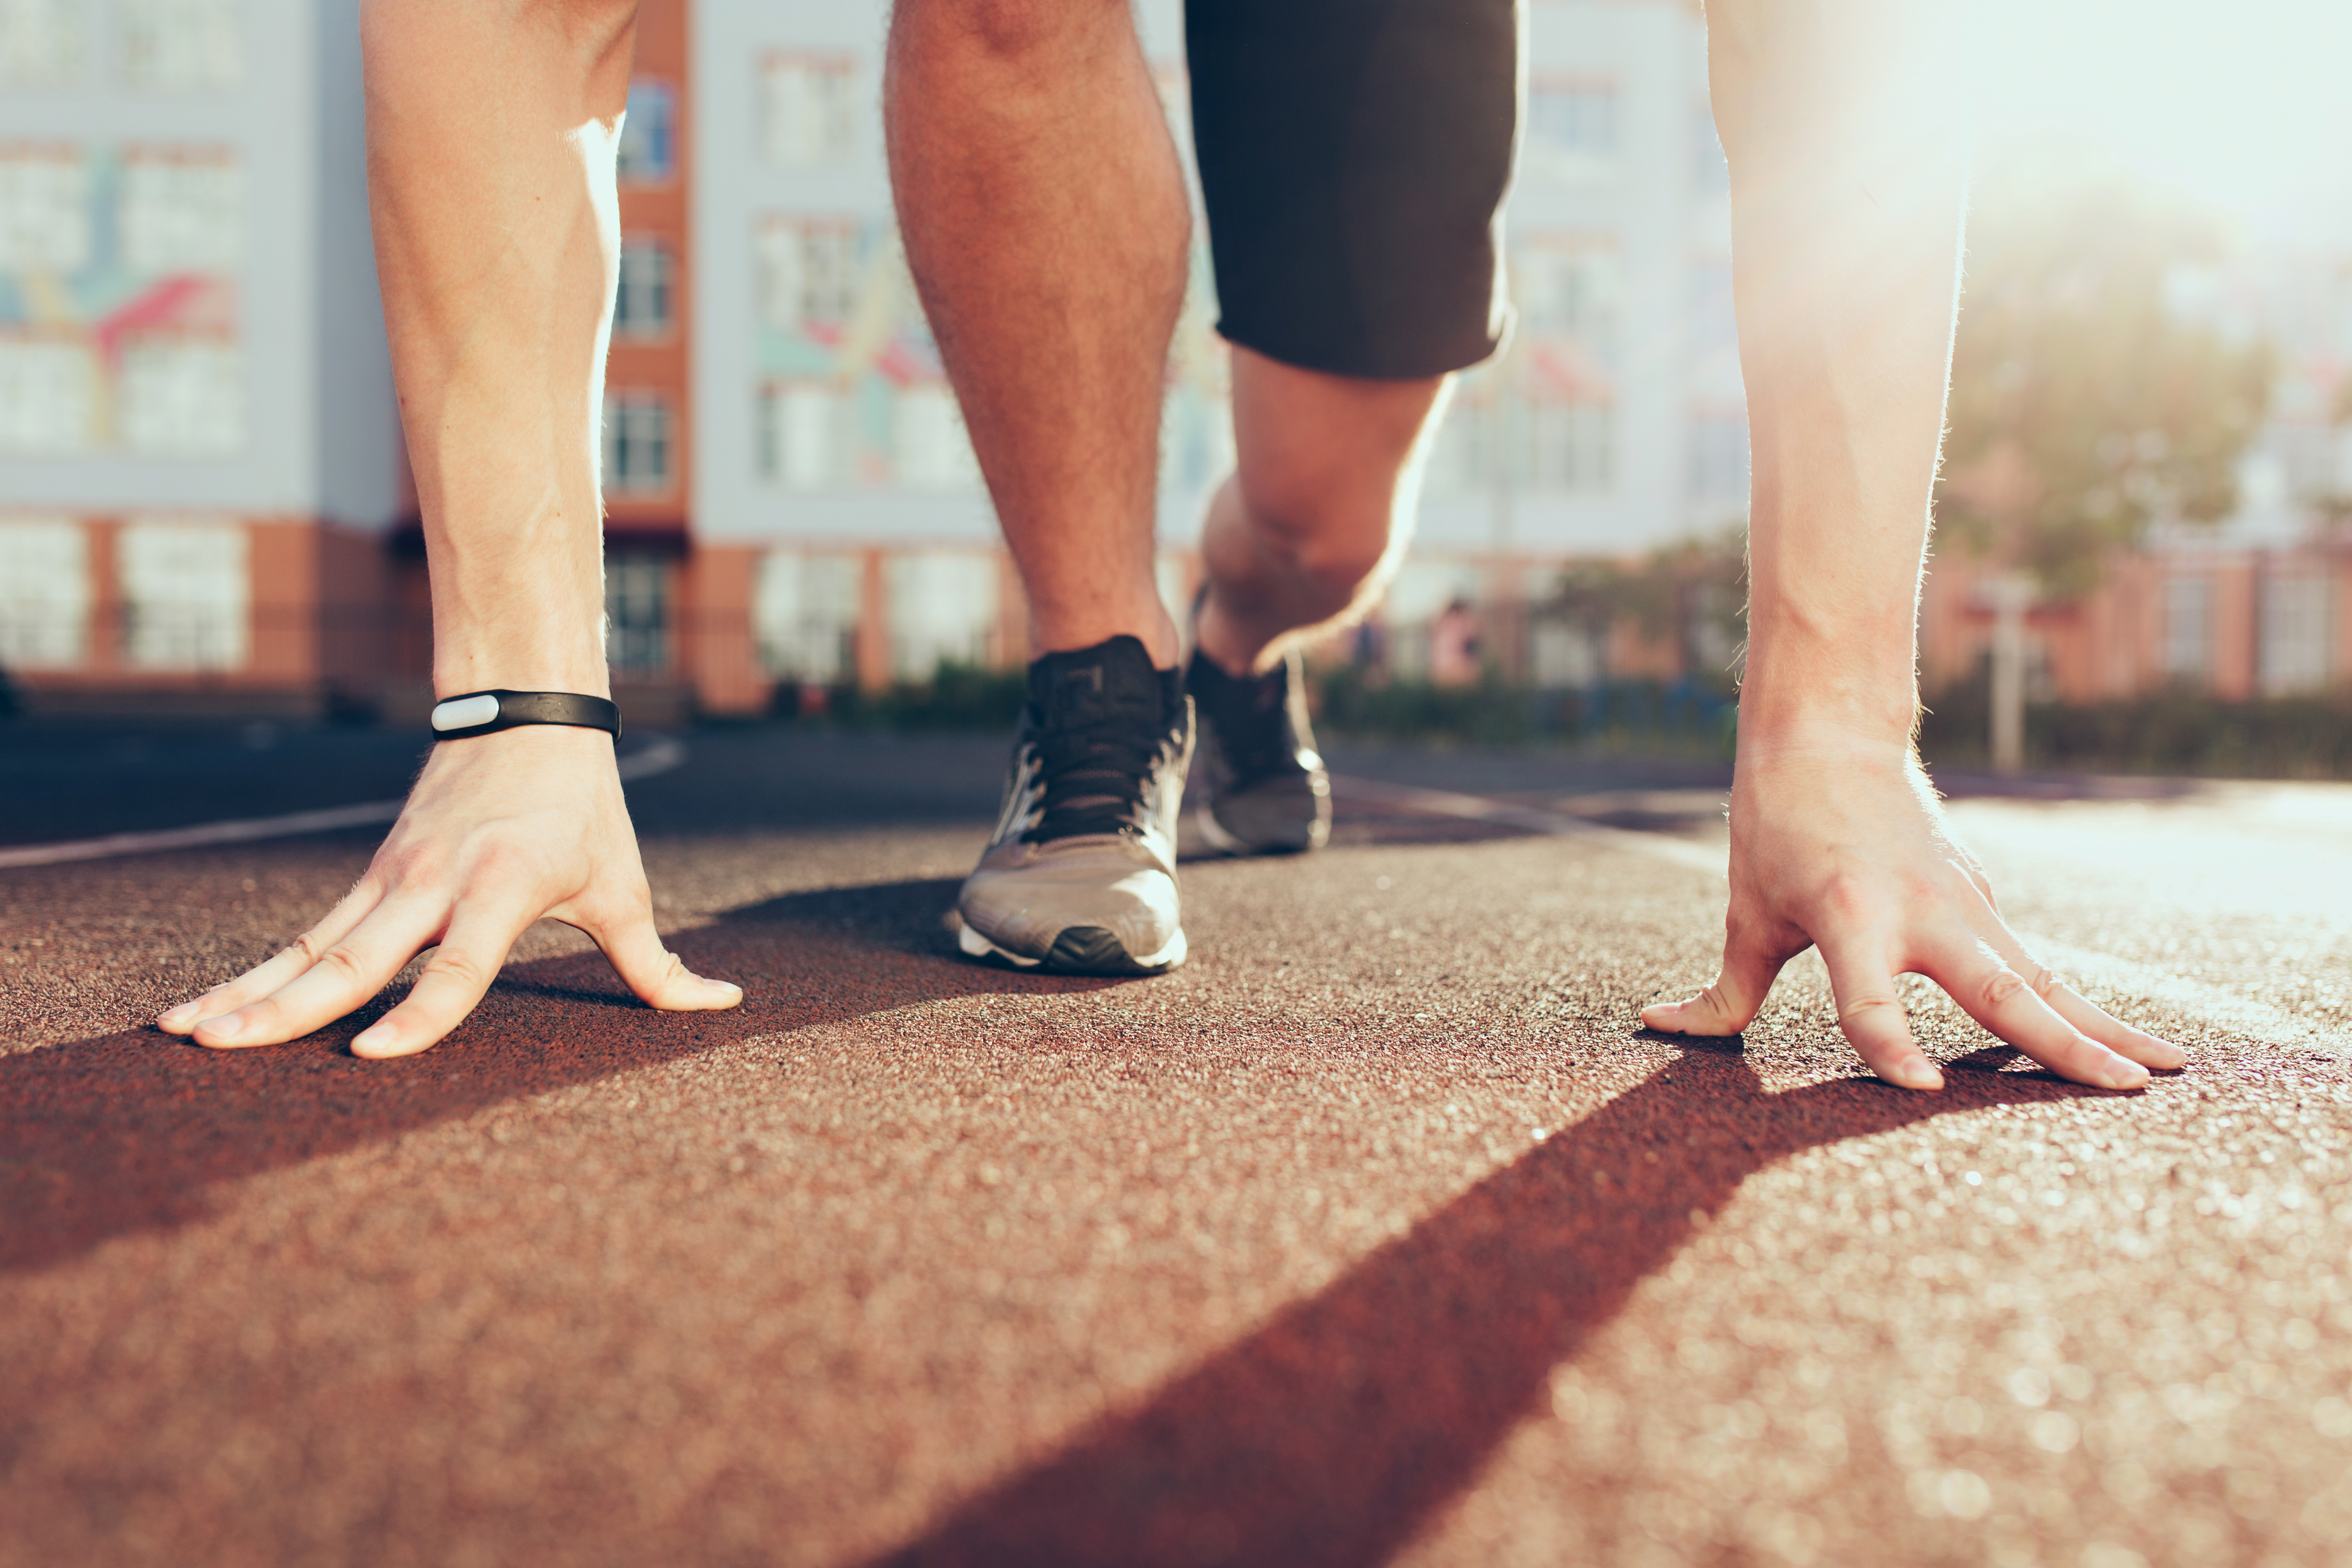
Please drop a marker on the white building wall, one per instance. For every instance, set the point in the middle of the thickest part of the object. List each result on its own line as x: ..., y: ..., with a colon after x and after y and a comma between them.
x: 1650, y: 203
x: 303, y: 425
x: 747, y: 490
x: 359, y: 460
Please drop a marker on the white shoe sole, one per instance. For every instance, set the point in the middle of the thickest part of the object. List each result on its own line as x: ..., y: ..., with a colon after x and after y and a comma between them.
x: 977, y: 945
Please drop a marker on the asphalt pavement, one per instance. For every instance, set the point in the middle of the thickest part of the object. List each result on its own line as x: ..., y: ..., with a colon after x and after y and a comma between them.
x: 1380, y: 1232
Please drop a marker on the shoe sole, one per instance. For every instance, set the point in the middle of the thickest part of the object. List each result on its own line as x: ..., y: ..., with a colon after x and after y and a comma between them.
x: 1079, y: 949
x: 1229, y: 844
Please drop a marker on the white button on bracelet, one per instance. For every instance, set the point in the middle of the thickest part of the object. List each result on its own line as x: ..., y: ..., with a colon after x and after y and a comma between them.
x: 487, y: 712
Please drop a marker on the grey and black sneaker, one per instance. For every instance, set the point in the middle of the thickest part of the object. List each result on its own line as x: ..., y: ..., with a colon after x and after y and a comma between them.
x: 1080, y: 876
x: 1261, y: 784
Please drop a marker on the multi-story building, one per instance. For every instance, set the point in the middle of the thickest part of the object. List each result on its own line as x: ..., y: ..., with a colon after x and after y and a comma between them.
x: 832, y: 471
x: 203, y: 488
x: 203, y: 497
x: 198, y: 448
x: 2258, y: 605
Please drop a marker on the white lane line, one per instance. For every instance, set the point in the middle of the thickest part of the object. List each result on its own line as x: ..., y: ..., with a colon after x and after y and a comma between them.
x: 662, y: 755
x: 2225, y: 1008
x: 1478, y: 809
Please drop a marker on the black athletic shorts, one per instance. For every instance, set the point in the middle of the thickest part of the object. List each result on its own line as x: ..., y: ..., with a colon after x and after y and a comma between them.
x: 1354, y: 155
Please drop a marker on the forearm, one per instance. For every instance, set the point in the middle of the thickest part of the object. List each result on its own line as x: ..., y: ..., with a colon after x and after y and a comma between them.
x: 1848, y: 157
x: 490, y: 174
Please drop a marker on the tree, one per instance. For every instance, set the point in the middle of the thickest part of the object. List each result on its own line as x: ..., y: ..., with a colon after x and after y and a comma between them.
x: 2084, y: 404
x: 1692, y: 592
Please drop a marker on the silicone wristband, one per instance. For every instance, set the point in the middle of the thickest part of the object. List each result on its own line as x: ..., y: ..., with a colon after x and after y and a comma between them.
x: 487, y: 712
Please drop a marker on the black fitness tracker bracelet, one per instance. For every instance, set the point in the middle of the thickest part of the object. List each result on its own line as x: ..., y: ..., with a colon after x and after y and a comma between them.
x: 487, y: 712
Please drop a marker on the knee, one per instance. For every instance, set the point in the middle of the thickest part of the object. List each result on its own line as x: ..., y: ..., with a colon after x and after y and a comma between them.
x: 1338, y: 543
x: 1009, y: 29
x: 595, y: 32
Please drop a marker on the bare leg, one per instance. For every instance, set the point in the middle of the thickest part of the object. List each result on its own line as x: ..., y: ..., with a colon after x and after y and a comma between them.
x: 1842, y: 122
x: 1047, y: 226
x: 490, y: 145
x: 1305, y: 534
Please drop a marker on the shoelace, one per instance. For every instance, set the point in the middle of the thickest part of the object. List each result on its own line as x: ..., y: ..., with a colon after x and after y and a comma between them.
x: 1093, y: 780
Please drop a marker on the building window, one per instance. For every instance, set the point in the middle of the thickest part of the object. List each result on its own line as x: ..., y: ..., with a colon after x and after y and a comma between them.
x: 182, y: 397
x: 809, y: 108
x: 186, y: 595
x: 45, y: 594
x: 183, y: 45
x: 1572, y: 126
x: 641, y: 308
x: 48, y: 395
x: 942, y: 610
x: 2188, y: 627
x: 648, y: 149
x: 1568, y: 289
x: 929, y: 447
x: 805, y: 435
x: 1572, y: 446
x: 1564, y: 653
x: 636, y: 443
x: 40, y: 42
x: 44, y: 218
x: 636, y: 613
x: 809, y: 273
x: 2295, y: 632
x: 1719, y: 457
x: 182, y: 212
x: 804, y: 612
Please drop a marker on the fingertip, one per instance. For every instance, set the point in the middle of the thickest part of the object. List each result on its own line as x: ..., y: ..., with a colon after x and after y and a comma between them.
x: 2122, y: 1073
x: 2156, y: 1051
x: 1914, y: 1072
x: 694, y: 994
x: 384, y: 1040
x: 179, y: 1020
x: 1664, y: 1017
x: 228, y: 1029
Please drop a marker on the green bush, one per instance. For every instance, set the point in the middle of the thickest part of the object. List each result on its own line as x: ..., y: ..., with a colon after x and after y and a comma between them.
x: 957, y: 697
x: 2176, y: 732
x: 1682, y: 718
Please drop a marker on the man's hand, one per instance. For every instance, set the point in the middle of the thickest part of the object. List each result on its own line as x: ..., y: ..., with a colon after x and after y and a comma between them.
x: 500, y: 830
x: 1843, y: 846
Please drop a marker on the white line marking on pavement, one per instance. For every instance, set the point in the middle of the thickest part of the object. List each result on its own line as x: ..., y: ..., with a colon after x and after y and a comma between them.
x: 1478, y: 809
x: 662, y: 755
x: 2215, y: 1004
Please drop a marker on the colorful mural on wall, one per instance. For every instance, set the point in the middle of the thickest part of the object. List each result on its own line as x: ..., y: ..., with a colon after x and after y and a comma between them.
x: 118, y: 329
x: 851, y: 393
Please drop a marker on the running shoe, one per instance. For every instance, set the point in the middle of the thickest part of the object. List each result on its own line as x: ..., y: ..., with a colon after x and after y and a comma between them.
x: 1262, y: 785
x: 1080, y: 876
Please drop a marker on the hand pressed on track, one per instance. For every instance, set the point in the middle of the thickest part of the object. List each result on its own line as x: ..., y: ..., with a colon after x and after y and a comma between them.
x: 500, y: 830
x: 1845, y: 845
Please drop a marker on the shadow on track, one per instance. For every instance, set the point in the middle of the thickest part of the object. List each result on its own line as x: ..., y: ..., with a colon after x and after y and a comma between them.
x: 1330, y: 1435
x: 124, y: 1133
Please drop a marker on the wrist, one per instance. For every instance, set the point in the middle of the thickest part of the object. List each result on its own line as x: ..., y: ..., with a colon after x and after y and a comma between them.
x: 1832, y: 641
x: 485, y: 669
x: 518, y: 610
x: 1837, y: 701
x: 527, y: 648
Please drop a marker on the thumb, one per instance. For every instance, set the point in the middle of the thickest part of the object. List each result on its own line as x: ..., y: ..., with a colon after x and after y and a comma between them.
x: 1725, y: 1007
x: 658, y: 976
